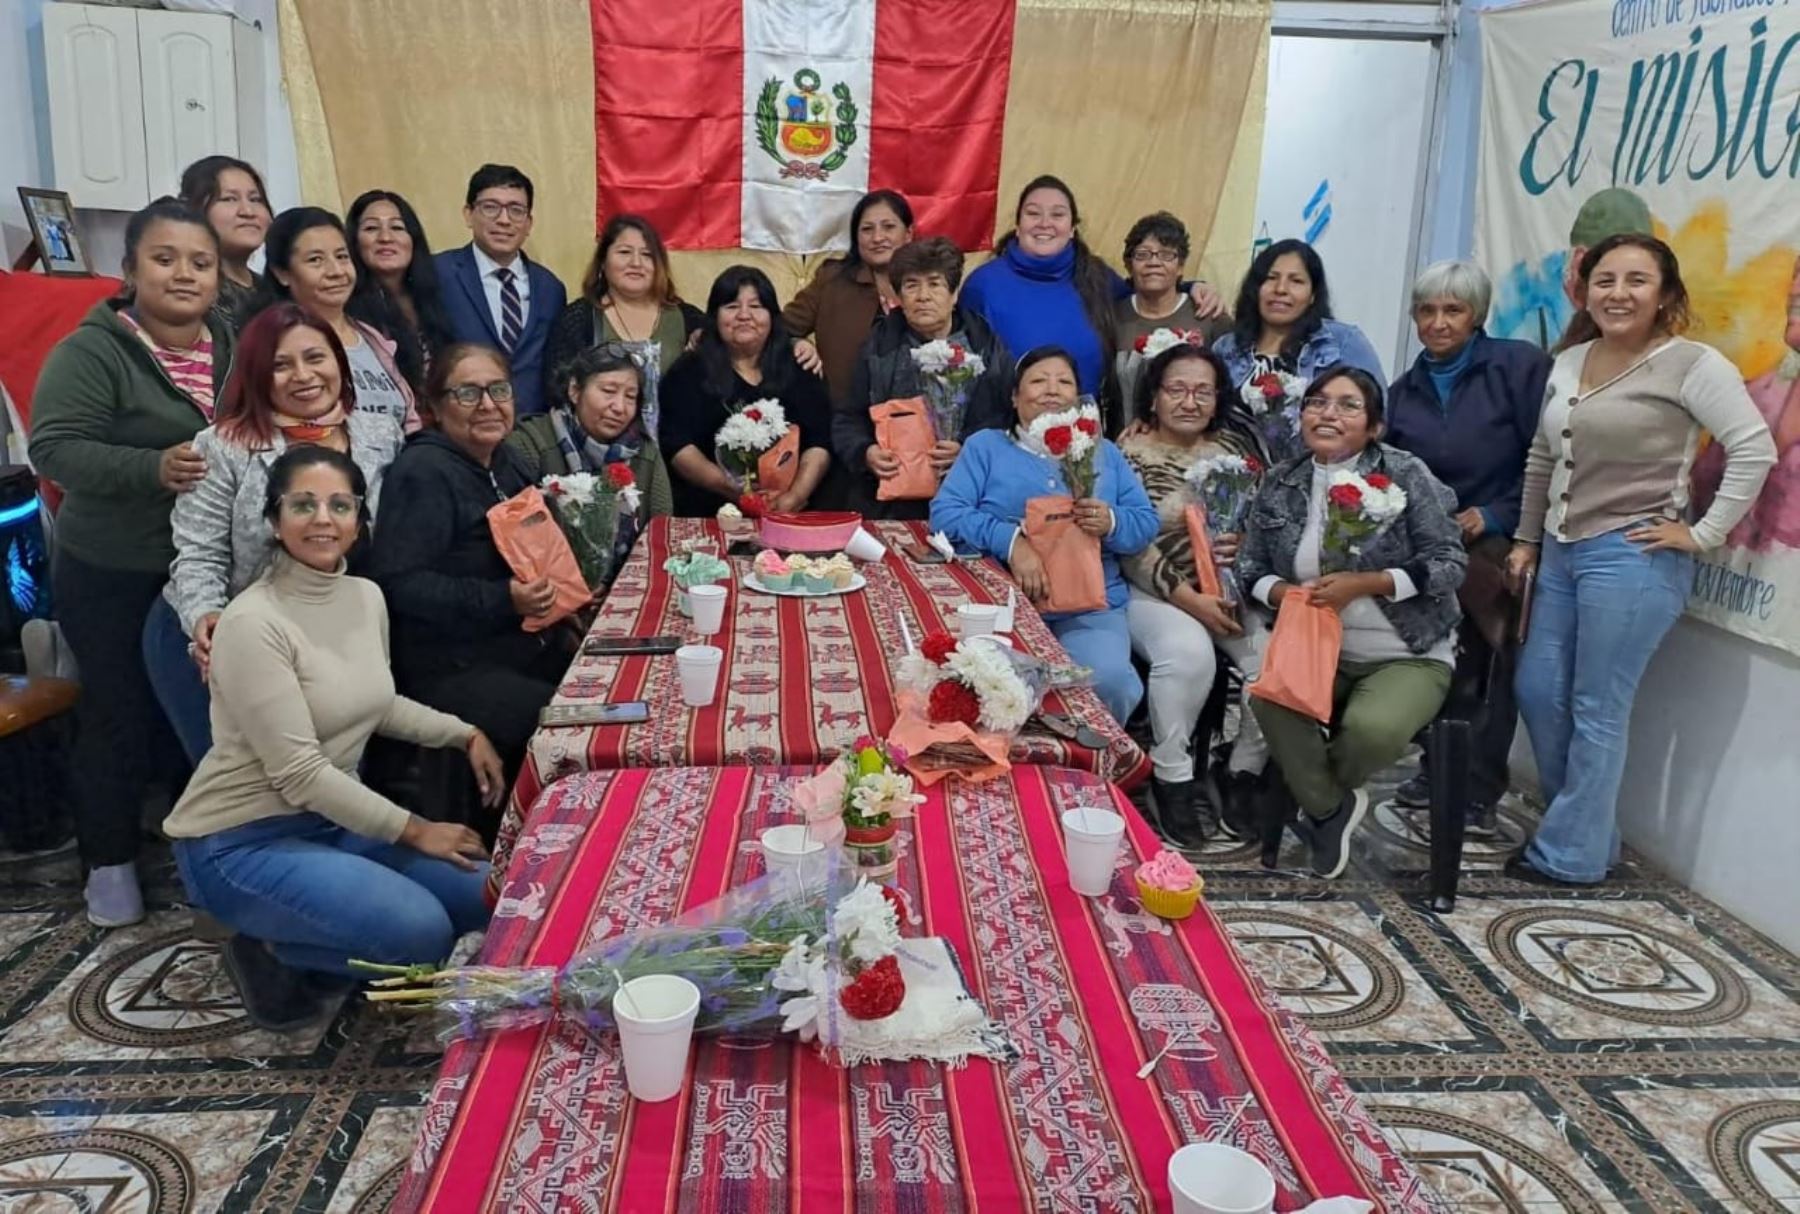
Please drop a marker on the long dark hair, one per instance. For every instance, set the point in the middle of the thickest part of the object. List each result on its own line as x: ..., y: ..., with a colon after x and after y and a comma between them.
x: 1092, y: 282
x: 297, y: 459
x: 662, y: 281
x: 894, y: 201
x: 1247, y: 316
x: 278, y: 247
x: 371, y: 303
x: 246, y: 410
x: 777, y: 359
x: 1672, y: 311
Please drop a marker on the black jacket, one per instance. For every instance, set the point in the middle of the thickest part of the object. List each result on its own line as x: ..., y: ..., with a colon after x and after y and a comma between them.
x: 885, y: 371
x: 447, y: 586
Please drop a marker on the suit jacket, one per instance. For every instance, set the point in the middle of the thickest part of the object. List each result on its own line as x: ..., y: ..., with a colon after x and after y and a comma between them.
x: 471, y: 320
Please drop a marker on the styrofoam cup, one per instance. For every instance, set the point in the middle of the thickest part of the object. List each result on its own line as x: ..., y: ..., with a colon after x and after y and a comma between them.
x: 698, y: 666
x: 864, y: 547
x: 977, y: 619
x: 708, y: 603
x: 1092, y: 839
x: 792, y: 849
x: 655, y: 1015
x: 1212, y: 1178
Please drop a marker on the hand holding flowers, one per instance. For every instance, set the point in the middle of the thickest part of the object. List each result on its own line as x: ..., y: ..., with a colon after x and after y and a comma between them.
x: 1357, y: 508
x: 1071, y: 437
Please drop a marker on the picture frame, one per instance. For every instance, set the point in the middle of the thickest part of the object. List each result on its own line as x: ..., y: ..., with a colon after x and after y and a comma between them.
x: 54, y: 233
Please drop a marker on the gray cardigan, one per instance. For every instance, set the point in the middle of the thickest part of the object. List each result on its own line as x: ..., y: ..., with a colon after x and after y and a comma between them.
x: 222, y: 543
x: 1425, y: 542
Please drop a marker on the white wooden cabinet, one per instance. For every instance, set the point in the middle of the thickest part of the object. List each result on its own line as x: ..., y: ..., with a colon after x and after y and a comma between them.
x: 136, y: 95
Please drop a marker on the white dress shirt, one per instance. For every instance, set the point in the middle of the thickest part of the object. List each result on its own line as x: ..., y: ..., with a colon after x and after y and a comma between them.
x: 489, y: 269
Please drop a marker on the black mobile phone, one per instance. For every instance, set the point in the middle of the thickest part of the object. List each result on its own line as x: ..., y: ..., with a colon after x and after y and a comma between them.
x: 1527, y: 589
x: 611, y: 647
x: 743, y: 548
x: 924, y: 554
x: 621, y: 712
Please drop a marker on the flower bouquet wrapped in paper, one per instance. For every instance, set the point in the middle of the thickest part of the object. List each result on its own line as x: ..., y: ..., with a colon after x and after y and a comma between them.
x: 589, y: 507
x: 963, y: 702
x: 1357, y: 508
x: 947, y: 370
x: 1220, y: 490
x: 1071, y: 437
x: 1274, y: 401
x: 759, y: 449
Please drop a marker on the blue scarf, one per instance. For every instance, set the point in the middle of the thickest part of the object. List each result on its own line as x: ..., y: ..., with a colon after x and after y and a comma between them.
x: 1445, y: 373
x: 1057, y: 268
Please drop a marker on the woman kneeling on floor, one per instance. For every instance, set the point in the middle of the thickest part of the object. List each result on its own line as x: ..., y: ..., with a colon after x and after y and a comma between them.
x: 275, y: 836
x: 1396, y: 601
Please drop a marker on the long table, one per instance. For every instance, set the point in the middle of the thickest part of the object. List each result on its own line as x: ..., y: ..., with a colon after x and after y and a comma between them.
x: 802, y: 678
x: 538, y: 1119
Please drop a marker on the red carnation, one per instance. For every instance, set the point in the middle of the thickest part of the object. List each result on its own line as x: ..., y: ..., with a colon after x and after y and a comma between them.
x: 895, y: 900
x: 1253, y: 465
x: 754, y: 415
x: 953, y: 701
x: 957, y: 355
x: 1378, y: 481
x: 554, y: 489
x: 877, y: 992
x: 1142, y: 343
x: 1345, y: 497
x: 937, y: 647
x: 1088, y: 426
x: 1271, y: 387
x: 752, y: 505
x: 1057, y: 439
x: 620, y: 475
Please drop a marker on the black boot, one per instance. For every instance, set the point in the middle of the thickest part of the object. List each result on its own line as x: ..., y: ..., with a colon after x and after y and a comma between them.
x: 1175, y: 810
x: 275, y: 997
x: 1242, y: 793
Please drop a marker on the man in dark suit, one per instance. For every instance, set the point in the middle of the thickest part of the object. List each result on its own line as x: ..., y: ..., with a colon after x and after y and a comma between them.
x: 496, y: 295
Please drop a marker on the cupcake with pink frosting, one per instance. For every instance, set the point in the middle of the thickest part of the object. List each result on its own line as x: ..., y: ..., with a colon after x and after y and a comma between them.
x: 773, y: 570
x: 1168, y: 886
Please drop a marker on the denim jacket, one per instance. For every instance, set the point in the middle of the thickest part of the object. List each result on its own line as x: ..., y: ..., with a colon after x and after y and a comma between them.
x: 1424, y: 542
x: 1335, y: 342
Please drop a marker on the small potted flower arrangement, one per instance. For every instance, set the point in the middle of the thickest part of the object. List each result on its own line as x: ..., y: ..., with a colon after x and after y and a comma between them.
x: 864, y: 792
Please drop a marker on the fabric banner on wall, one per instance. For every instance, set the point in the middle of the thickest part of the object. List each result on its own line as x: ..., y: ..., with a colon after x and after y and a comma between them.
x: 759, y: 123
x: 1691, y: 105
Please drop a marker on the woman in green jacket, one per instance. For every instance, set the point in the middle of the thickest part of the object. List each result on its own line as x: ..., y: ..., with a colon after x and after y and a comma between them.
x: 596, y: 424
x: 115, y: 410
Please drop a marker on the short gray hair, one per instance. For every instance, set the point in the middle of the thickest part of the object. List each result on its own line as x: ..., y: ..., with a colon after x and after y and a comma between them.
x: 1463, y: 281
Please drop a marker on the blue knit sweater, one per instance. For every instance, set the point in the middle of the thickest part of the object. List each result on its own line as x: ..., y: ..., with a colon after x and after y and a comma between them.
x: 982, y: 501
x: 1031, y: 302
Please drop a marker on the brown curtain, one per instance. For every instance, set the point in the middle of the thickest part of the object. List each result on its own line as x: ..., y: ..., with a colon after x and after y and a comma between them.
x: 1139, y: 104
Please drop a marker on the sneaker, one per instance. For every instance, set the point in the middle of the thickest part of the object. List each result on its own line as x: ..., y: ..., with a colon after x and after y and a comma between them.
x: 1330, y: 837
x: 1414, y: 793
x: 275, y: 997
x: 1481, y: 822
x: 113, y: 896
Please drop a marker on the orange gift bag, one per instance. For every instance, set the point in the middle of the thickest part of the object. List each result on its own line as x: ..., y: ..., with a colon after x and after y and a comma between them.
x: 1300, y: 667
x: 1071, y: 556
x: 533, y: 546
x: 1204, y: 564
x: 777, y: 467
x: 904, y: 428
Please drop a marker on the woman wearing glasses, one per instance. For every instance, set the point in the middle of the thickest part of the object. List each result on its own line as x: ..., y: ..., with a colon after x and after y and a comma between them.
x: 275, y: 835
x: 1395, y: 596
x: 1155, y: 250
x: 292, y: 387
x: 456, y: 606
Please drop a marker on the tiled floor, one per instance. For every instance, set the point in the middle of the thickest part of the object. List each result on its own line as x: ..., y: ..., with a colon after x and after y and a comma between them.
x: 1633, y: 1048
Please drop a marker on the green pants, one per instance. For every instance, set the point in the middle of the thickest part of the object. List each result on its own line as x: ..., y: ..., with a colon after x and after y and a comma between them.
x: 1379, y: 707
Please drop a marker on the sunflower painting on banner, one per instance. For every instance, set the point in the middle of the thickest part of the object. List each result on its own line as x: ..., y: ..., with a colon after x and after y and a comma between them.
x: 1677, y: 117
x: 759, y: 123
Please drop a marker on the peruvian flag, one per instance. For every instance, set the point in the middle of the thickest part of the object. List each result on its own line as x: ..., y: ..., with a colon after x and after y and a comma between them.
x: 758, y: 123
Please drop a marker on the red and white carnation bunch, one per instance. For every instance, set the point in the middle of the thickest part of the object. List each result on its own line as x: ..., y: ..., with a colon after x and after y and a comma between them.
x: 1071, y: 437
x: 1358, y: 508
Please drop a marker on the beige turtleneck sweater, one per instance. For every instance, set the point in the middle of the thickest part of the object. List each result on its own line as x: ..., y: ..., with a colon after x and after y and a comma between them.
x: 300, y: 680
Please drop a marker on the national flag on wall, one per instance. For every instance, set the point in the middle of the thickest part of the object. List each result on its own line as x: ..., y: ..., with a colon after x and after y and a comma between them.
x: 758, y: 123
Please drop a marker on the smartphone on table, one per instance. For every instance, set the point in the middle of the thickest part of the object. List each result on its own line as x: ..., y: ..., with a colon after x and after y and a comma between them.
x: 619, y: 712
x: 610, y: 647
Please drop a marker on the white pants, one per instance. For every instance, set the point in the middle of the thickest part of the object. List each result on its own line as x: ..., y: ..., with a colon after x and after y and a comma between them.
x: 1183, y: 664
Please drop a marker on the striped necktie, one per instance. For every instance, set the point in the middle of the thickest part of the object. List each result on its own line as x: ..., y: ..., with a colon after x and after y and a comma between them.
x: 512, y: 310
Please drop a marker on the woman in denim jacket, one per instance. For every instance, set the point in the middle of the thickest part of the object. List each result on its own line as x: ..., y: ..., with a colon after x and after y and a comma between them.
x: 1396, y: 601
x: 1284, y: 338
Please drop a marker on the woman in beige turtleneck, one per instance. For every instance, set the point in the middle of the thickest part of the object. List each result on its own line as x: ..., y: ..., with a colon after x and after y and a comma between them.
x: 276, y: 836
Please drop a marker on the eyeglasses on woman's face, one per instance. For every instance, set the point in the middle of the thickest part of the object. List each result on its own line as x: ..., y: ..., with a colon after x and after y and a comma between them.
x: 1154, y: 257
x: 1349, y: 406
x: 469, y: 395
x: 307, y: 505
x: 1200, y: 394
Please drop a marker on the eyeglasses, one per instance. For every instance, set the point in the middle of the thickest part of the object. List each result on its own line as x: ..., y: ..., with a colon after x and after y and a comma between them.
x: 1349, y: 406
x: 1200, y: 394
x: 518, y: 212
x: 306, y: 505
x: 469, y: 395
x: 1154, y: 257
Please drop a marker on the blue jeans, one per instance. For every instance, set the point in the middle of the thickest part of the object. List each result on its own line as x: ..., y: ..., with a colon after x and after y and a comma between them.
x: 1602, y: 607
x: 1101, y: 640
x: 176, y: 680
x: 318, y: 894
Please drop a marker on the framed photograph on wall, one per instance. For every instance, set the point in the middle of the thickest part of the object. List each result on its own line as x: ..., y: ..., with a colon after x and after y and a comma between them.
x: 59, y: 243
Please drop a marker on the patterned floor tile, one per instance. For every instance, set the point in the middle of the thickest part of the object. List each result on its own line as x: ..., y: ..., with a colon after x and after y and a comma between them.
x: 165, y: 1163
x: 372, y: 1177
x: 1736, y: 1147
x: 18, y: 930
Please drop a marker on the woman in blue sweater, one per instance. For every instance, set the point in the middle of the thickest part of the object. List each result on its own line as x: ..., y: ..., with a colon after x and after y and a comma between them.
x: 1044, y: 287
x: 981, y: 504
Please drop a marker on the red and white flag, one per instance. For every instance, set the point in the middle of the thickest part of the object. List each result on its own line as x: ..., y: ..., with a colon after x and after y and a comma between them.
x: 758, y: 123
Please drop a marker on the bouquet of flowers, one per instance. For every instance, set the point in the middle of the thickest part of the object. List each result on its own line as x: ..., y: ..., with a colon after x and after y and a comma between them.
x: 1223, y: 486
x: 962, y: 703
x: 1071, y: 437
x: 587, y: 506
x: 1357, y: 508
x: 1274, y: 401
x: 1156, y: 341
x: 747, y: 435
x: 946, y: 371
x: 859, y: 800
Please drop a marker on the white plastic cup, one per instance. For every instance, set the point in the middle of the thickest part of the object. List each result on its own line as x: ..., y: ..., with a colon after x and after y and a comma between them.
x: 698, y: 666
x: 1092, y: 838
x: 708, y: 603
x: 655, y: 1015
x: 792, y: 849
x: 977, y: 619
x: 1212, y: 1178
x: 864, y: 547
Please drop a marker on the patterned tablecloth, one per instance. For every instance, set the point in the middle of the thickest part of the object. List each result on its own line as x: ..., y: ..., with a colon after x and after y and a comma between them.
x: 802, y: 677
x: 538, y: 1120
